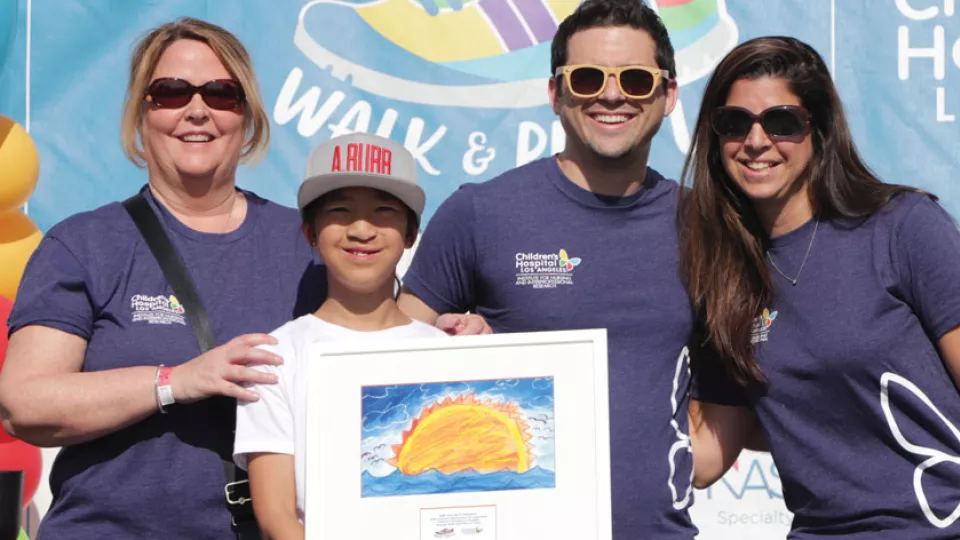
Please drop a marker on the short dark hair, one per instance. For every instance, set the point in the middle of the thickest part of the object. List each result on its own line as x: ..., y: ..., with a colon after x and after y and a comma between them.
x: 310, y: 211
x: 601, y: 13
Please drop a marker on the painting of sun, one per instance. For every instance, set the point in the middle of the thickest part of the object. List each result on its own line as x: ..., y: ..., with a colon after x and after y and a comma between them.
x: 457, y: 436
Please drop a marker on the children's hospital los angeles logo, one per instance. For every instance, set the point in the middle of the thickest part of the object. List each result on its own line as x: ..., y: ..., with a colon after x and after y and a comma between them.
x: 462, y: 83
x: 761, y: 326
x: 158, y: 309
x: 545, y: 270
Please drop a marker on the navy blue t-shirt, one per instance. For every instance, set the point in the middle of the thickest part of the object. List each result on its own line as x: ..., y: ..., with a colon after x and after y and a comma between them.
x: 531, y: 251
x: 95, y: 277
x: 861, y: 413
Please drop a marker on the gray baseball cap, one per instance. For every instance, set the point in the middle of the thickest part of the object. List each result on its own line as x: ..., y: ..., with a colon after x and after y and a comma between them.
x: 362, y: 160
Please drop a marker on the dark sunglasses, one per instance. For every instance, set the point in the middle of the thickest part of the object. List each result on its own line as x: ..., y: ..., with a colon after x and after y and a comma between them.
x: 780, y: 122
x: 587, y: 81
x: 219, y: 94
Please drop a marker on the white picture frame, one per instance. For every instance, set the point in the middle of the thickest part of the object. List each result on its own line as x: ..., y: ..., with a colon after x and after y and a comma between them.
x: 499, y: 480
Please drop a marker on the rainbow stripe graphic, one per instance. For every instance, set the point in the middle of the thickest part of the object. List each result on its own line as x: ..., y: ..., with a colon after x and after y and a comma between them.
x: 519, y: 24
x: 445, y: 31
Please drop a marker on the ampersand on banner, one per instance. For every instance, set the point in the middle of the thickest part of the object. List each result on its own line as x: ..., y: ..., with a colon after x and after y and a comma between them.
x: 477, y: 165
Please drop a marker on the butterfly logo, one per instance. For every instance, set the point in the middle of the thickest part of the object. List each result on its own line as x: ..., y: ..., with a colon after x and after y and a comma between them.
x: 681, y: 452
x: 768, y: 317
x: 175, y: 304
x: 906, y: 409
x: 567, y: 262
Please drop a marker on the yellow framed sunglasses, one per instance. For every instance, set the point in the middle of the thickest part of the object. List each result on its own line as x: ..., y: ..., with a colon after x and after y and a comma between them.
x: 587, y: 81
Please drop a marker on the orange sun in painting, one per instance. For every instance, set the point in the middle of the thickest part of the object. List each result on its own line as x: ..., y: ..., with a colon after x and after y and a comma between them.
x: 465, y: 433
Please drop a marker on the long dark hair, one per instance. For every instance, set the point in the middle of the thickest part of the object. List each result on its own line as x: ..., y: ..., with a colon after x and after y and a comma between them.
x: 722, y: 241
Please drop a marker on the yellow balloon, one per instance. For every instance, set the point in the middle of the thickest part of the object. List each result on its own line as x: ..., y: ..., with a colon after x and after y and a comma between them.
x: 18, y: 238
x: 19, y: 165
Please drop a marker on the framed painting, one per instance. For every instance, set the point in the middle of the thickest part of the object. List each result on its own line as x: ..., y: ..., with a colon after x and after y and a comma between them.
x: 481, y: 437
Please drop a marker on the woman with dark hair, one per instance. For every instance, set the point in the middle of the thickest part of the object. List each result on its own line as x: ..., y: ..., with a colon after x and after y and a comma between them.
x: 828, y: 304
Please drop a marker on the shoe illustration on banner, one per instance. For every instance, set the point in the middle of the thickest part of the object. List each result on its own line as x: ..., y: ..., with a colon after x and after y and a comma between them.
x: 904, y: 403
x: 471, y: 53
x: 483, y: 53
x: 702, y: 33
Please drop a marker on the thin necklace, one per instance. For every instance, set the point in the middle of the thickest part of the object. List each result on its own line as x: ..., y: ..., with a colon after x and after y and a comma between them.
x: 803, y: 262
x: 233, y: 204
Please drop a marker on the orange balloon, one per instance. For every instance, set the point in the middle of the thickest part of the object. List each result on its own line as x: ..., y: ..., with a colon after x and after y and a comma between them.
x: 19, y: 237
x: 19, y: 165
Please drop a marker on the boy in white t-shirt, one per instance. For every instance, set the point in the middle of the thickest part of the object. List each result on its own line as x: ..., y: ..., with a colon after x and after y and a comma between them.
x: 361, y: 208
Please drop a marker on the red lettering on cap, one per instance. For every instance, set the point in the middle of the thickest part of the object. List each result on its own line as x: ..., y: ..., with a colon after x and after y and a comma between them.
x: 373, y: 159
x: 385, y: 156
x: 354, y: 154
x: 368, y: 158
x: 335, y: 166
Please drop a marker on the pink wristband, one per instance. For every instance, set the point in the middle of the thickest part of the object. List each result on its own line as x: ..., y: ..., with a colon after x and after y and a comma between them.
x: 163, y: 388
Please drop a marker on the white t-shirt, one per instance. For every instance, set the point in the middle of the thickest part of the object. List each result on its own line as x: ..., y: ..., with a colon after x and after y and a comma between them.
x: 277, y: 423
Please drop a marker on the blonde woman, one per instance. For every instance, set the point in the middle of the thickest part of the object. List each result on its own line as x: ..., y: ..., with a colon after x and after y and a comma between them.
x: 95, y: 317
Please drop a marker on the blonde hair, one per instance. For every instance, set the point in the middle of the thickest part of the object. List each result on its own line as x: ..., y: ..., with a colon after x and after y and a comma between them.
x: 235, y: 59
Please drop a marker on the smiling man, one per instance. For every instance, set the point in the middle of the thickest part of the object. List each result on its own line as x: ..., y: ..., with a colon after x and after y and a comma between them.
x: 588, y: 239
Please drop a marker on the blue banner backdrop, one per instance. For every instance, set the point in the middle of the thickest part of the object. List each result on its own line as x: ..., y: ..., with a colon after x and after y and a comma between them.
x: 463, y: 84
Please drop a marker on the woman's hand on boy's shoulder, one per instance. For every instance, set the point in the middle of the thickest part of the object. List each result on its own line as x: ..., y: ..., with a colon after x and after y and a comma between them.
x: 463, y: 324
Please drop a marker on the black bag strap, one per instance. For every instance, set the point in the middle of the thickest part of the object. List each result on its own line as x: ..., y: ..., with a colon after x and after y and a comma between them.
x: 237, y: 490
x: 163, y: 250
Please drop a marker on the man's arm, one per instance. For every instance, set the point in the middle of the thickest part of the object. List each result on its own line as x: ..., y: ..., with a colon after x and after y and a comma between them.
x: 455, y: 324
x: 415, y: 308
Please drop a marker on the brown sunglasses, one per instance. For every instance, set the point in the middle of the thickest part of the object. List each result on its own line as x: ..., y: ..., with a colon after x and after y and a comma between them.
x: 779, y: 122
x: 170, y: 93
